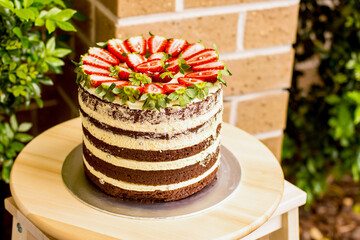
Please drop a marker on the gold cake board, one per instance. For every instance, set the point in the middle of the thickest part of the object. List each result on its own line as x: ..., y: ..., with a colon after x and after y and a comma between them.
x: 40, y: 194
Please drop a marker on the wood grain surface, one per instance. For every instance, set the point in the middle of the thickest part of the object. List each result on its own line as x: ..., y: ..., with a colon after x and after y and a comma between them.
x: 39, y: 192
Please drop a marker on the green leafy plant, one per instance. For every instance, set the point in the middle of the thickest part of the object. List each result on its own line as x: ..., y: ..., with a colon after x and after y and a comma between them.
x: 28, y: 52
x: 323, y: 135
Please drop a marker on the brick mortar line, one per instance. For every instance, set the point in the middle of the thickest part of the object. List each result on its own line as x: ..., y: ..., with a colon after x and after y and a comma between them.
x: 233, y: 113
x: 200, y: 12
x: 270, y: 134
x: 250, y: 96
x: 179, y: 5
x: 256, y: 52
x: 240, y: 31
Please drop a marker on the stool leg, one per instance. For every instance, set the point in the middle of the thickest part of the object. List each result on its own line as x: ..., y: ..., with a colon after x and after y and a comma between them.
x: 19, y: 232
x: 290, y: 227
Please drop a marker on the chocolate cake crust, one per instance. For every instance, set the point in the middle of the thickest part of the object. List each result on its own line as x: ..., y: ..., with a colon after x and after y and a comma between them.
x: 153, y: 117
x: 152, y: 156
x: 153, y: 196
x: 160, y: 177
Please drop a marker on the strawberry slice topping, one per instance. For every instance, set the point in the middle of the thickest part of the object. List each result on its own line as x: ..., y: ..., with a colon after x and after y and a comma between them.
x: 204, y: 56
x: 156, y: 44
x: 208, y: 75
x: 218, y: 65
x: 97, y: 80
x: 134, y: 59
x: 158, y: 55
x: 192, y: 49
x: 153, y: 88
x: 149, y: 66
x: 118, y: 47
x: 124, y: 73
x: 117, y: 83
x: 189, y: 81
x: 174, y: 65
x: 171, y: 87
x: 137, y: 44
x: 93, y: 61
x: 88, y: 69
x: 175, y: 46
x: 156, y: 78
x: 104, y: 55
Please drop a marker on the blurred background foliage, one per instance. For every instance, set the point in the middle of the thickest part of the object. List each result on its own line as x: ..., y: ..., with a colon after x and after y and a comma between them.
x: 322, y: 140
x: 30, y: 51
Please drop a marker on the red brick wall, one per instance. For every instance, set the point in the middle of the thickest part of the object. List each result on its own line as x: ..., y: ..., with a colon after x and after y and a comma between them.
x: 254, y: 37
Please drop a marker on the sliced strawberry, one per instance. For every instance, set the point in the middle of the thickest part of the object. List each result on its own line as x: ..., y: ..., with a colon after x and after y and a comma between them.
x: 134, y: 59
x: 153, y: 88
x: 156, y: 77
x: 171, y: 87
x: 175, y: 46
x: 104, y: 55
x: 189, y: 81
x: 158, y: 55
x: 93, y: 61
x: 96, y: 80
x: 118, y: 47
x: 204, y: 56
x: 192, y: 49
x: 137, y: 44
x: 149, y: 66
x: 117, y: 84
x: 218, y: 65
x: 207, y: 76
x: 88, y: 69
x: 156, y: 44
x: 174, y: 65
x: 124, y: 73
x: 141, y: 89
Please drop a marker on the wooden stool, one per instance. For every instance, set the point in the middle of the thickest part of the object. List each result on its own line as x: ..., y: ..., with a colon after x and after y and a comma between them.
x: 43, y: 208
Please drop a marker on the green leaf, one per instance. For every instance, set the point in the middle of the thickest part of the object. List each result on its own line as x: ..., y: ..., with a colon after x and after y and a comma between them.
x: 66, y: 26
x: 50, y: 45
x: 24, y: 127
x: 61, y: 52
x: 102, y: 44
x: 357, y: 115
x: 116, y: 90
x: 50, y: 25
x: 143, y: 97
x: 110, y: 96
x: 53, y: 61
x: 7, y: 4
x: 46, y: 81
x: 17, y: 146
x: 13, y: 123
x: 27, y: 3
x: 5, y: 174
x: 25, y: 14
x: 23, y: 137
x: 17, y: 32
x: 39, y: 22
x: 99, y: 89
x: 64, y: 15
x: 191, y: 92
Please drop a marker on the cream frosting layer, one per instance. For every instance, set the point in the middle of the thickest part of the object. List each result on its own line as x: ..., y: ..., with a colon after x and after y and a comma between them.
x: 149, y: 188
x: 151, y: 166
x: 179, y: 142
x: 169, y: 126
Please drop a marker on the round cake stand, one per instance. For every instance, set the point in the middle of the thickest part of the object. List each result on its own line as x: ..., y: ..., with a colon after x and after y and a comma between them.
x: 39, y: 192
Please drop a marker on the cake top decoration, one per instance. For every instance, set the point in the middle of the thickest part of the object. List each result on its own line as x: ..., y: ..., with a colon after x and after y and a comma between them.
x: 158, y: 72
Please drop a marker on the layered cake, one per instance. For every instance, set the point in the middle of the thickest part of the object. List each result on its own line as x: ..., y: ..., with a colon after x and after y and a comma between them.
x: 151, y: 113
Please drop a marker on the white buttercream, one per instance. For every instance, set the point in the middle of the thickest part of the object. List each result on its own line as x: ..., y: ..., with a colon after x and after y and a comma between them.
x: 151, y: 166
x: 166, y: 126
x: 149, y: 188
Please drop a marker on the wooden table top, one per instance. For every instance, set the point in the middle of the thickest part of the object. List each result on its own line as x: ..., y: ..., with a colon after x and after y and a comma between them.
x: 39, y: 192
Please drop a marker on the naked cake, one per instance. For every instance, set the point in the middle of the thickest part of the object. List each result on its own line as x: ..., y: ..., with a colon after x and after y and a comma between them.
x: 151, y: 113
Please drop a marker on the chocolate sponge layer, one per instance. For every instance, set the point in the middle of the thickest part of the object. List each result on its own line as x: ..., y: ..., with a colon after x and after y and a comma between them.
x: 160, y: 177
x: 154, y: 196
